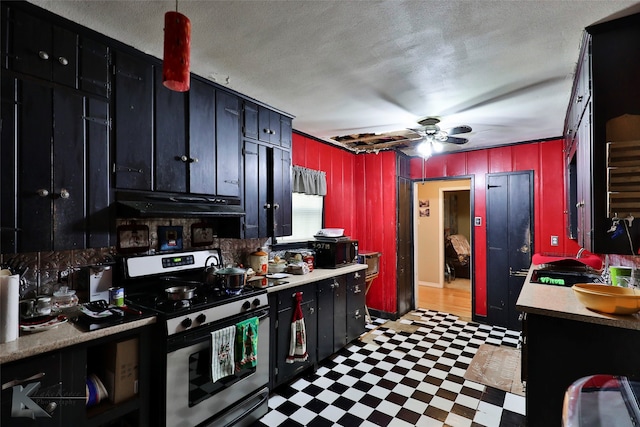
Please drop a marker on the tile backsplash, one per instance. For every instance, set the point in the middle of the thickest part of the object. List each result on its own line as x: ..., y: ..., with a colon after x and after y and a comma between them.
x: 44, y: 272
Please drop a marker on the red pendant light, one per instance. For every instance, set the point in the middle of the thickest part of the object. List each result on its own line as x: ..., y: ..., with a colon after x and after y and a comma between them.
x: 177, y: 49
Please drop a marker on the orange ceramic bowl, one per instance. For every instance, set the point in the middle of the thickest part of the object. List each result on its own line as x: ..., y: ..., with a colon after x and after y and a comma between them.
x: 608, y: 299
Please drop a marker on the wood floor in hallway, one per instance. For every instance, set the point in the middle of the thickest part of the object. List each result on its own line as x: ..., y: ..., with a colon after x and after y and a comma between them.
x: 454, y: 298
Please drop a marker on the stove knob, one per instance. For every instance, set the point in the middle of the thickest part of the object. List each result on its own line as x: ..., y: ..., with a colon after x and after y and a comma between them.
x: 246, y: 305
x: 201, y: 318
x: 186, y: 322
x: 256, y: 302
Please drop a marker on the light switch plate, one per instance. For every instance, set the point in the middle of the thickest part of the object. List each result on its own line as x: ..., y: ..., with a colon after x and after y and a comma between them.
x: 554, y: 240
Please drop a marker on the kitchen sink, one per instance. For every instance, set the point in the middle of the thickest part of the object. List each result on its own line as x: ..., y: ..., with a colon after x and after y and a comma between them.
x: 564, y: 277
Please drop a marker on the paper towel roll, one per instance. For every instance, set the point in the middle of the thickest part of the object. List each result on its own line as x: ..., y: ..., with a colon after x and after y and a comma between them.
x: 9, y: 307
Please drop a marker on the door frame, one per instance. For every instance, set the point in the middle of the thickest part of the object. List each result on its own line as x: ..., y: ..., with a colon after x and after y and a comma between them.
x: 471, y: 188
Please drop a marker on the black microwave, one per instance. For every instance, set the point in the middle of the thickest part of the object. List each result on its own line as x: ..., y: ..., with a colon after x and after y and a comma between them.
x: 334, y: 253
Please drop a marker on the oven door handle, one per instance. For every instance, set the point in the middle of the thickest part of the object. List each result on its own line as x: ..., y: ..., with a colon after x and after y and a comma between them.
x: 256, y: 401
x: 204, y: 332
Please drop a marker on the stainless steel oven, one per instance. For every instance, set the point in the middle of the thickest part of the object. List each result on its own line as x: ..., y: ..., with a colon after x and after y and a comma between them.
x: 185, y: 391
x: 192, y: 398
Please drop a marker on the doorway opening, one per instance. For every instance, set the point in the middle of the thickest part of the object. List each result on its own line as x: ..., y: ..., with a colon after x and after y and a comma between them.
x: 443, y: 242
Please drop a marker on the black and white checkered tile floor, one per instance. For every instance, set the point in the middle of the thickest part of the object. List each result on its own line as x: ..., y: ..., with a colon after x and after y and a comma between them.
x: 402, y: 379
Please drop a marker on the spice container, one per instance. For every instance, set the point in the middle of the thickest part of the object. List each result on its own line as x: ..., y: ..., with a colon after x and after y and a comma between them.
x: 258, y: 261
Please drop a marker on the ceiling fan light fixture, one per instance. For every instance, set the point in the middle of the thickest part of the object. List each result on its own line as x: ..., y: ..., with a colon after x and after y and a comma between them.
x: 424, y: 149
x: 437, y: 146
x: 441, y: 136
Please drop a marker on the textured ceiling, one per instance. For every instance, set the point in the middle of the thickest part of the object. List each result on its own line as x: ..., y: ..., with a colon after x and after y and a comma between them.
x: 504, y: 68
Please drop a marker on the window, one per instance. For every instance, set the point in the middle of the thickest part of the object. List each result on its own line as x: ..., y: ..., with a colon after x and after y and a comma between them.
x: 307, y: 211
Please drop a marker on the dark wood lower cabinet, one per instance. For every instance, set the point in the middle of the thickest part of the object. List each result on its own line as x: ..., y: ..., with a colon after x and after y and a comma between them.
x: 332, y: 315
x: 557, y: 352
x: 333, y: 311
x: 50, y: 389
x: 282, y: 308
x: 356, y: 287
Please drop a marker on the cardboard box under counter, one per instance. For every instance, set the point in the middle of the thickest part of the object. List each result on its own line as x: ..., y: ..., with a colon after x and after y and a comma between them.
x: 121, y: 370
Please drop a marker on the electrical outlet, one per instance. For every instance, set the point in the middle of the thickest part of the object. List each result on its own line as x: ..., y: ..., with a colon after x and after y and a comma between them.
x: 554, y: 240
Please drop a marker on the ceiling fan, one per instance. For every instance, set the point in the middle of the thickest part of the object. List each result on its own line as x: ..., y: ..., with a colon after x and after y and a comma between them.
x: 433, y: 137
x: 426, y: 138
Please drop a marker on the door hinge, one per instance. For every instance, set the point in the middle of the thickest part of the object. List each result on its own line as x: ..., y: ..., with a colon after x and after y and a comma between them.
x: 493, y: 186
x: 275, y: 324
x: 97, y: 120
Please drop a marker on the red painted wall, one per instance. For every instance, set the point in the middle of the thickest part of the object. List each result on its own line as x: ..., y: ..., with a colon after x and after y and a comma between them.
x: 546, y: 161
x: 362, y: 197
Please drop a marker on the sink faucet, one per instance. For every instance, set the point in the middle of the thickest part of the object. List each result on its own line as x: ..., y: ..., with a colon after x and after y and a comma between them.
x: 579, y: 254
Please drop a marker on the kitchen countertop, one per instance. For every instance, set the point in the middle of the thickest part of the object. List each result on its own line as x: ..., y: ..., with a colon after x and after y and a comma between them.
x: 68, y: 334
x: 561, y: 302
x: 314, y: 276
x: 64, y: 335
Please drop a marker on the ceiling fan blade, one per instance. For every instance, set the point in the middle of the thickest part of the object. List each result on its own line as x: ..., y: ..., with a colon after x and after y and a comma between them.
x: 455, y: 140
x: 459, y: 129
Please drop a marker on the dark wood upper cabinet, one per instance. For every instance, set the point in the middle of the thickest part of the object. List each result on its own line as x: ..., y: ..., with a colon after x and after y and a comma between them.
x: 605, y: 90
x: 286, y: 130
x: 267, y: 191
x: 266, y: 125
x: 202, y: 138
x: 37, y: 48
x: 45, y: 197
x: 281, y: 213
x: 171, y: 150
x: 250, y: 120
x: 228, y: 146
x: 84, y: 116
x: 255, y: 190
x: 133, y: 122
x: 93, y: 65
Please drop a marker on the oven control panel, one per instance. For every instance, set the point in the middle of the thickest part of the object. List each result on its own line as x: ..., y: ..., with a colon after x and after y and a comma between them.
x: 149, y: 265
x: 176, y: 261
x: 252, y: 302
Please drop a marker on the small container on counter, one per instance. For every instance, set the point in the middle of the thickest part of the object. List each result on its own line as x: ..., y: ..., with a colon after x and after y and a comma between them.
x: 65, y: 298
x: 116, y: 296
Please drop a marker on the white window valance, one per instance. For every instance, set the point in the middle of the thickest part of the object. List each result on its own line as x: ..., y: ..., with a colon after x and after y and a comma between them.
x: 309, y: 181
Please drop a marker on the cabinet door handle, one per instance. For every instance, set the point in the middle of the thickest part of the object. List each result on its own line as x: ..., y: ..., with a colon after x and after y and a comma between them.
x: 356, y: 275
x: 63, y: 61
x: 276, y: 206
x: 579, y: 99
x: 43, y: 55
x: 311, y: 310
x: 42, y: 192
x: 64, y: 193
x: 183, y: 158
x: 193, y: 160
x: 267, y: 205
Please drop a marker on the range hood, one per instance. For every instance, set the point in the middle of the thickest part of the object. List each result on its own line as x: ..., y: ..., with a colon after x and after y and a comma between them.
x: 155, y: 205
